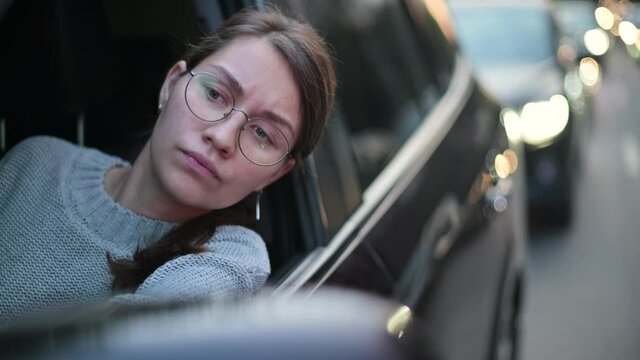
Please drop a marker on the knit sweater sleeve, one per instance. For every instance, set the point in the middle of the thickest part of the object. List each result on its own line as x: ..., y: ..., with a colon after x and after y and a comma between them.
x: 237, y: 264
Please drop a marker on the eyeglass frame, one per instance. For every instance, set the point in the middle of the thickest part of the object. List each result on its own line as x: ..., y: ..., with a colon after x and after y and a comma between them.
x: 193, y: 74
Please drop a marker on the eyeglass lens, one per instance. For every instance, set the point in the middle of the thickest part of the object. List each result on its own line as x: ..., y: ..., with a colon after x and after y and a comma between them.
x: 260, y: 140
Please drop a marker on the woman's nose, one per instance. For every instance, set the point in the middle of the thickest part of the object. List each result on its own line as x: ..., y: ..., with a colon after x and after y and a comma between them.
x: 223, y: 134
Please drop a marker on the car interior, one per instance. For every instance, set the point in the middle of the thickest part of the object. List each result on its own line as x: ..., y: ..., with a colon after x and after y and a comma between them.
x: 90, y: 71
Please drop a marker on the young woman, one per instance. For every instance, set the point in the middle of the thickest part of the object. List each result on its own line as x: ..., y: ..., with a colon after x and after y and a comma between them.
x: 241, y: 109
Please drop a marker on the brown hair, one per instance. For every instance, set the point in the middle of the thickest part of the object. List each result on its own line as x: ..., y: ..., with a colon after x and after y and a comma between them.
x: 311, y: 64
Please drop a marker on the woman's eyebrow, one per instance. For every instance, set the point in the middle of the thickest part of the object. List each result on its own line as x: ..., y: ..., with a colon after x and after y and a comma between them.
x: 279, y: 119
x: 237, y: 88
x: 227, y: 77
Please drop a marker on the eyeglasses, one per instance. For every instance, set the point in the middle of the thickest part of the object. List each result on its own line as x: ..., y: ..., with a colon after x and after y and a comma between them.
x: 260, y: 140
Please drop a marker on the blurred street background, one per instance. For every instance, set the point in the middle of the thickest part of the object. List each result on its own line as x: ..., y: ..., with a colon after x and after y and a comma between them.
x: 583, y: 291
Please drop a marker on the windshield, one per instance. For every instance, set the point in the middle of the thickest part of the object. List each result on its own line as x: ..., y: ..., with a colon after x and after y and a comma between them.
x: 492, y: 36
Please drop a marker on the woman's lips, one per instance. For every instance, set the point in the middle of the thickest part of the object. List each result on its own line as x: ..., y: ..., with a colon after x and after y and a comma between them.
x: 201, y: 165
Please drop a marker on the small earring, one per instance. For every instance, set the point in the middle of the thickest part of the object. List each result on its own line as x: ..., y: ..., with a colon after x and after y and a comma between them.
x: 258, y: 205
x: 160, y: 107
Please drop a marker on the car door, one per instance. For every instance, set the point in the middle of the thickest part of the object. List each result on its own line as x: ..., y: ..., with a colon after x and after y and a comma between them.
x: 433, y: 227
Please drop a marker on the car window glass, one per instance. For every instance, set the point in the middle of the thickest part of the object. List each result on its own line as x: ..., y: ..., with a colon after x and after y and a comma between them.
x: 436, y: 33
x: 385, y: 87
x: 337, y: 175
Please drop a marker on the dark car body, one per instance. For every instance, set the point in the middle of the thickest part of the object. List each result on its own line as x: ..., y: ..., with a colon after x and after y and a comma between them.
x: 514, y: 48
x: 413, y: 195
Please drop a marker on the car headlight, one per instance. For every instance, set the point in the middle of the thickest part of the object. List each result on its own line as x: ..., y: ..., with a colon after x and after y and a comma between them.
x: 539, y: 122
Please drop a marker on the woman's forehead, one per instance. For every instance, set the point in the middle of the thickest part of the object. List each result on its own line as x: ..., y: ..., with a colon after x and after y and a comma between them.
x: 260, y: 76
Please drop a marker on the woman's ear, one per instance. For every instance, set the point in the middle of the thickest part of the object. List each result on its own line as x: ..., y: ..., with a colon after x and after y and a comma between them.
x: 173, y: 75
x: 283, y: 170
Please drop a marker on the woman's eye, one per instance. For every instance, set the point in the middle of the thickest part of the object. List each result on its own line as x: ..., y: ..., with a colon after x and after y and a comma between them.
x: 213, y: 94
x: 261, y: 133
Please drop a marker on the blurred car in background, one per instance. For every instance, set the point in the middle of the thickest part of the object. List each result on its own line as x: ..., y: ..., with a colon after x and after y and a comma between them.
x: 513, y: 47
x: 577, y: 21
x: 414, y: 194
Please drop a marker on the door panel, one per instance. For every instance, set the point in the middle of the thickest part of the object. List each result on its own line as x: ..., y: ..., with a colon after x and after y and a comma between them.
x: 446, y: 249
x: 422, y: 233
x: 363, y: 270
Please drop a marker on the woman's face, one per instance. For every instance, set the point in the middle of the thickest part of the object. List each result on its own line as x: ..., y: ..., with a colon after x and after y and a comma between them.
x: 198, y: 164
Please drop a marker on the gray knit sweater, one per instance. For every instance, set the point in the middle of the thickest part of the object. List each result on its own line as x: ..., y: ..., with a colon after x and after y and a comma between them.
x: 57, y: 224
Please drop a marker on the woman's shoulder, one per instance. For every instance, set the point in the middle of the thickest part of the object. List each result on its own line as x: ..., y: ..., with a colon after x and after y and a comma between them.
x: 237, y: 236
x: 237, y: 264
x: 241, y: 243
x: 41, y: 147
x: 47, y: 151
x: 36, y: 154
x: 236, y: 232
x: 43, y: 141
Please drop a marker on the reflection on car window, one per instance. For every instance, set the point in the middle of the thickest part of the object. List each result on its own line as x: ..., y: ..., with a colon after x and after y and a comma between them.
x: 385, y: 83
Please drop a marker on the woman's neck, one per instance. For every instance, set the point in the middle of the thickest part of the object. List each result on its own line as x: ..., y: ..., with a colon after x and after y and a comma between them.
x: 139, y: 191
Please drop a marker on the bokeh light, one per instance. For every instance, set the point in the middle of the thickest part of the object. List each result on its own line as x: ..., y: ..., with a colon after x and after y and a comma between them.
x: 589, y: 71
x: 502, y: 166
x: 628, y: 32
x: 596, y: 41
x: 512, y: 125
x: 604, y: 17
x: 542, y: 121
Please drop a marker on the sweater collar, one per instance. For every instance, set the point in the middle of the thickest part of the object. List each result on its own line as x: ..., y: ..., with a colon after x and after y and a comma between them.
x: 110, y: 221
